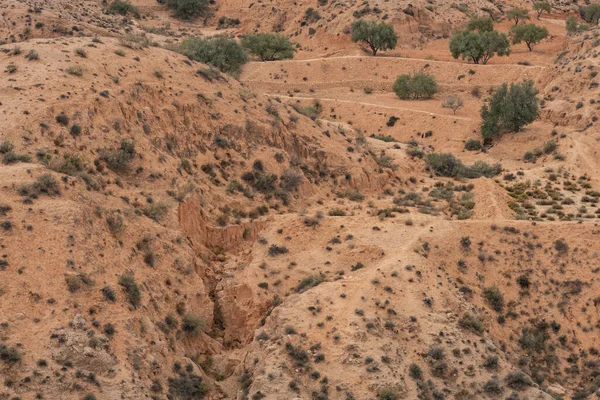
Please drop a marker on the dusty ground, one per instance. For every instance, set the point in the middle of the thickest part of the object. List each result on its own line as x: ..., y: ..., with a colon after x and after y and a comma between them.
x: 165, y: 234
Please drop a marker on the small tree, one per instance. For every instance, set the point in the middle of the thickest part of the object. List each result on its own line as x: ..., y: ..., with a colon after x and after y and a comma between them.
x: 377, y: 36
x: 417, y: 86
x: 187, y: 9
x: 530, y: 34
x: 573, y: 26
x: 481, y: 24
x: 453, y: 102
x: 479, y: 47
x: 509, y: 109
x: 269, y: 46
x: 219, y: 51
x: 542, y: 6
x: 517, y: 14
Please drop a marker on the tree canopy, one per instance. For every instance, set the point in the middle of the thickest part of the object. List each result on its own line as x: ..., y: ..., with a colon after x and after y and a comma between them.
x: 377, y: 36
x: 509, y: 109
x: 481, y: 24
x: 541, y: 6
x: 269, y: 46
x: 530, y: 34
x: 517, y: 14
x: 479, y: 47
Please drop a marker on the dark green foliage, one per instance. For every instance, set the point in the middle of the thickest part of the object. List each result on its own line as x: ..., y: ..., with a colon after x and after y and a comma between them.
x: 590, y: 13
x: 275, y: 250
x: 389, y: 393
x: 479, y: 47
x: 187, y: 386
x: 119, y: 159
x: 309, y: 282
x: 45, y: 183
x: 494, y: 298
x: 123, y: 8
x: 509, y: 109
x: 13, y: 158
x: 416, y: 86
x: 187, y: 9
x: 472, y: 323
x: 481, y: 24
x: 530, y: 34
x: 134, y: 294
x: 415, y: 372
x: 268, y: 46
x: 541, y: 6
x: 219, y: 51
x: 573, y: 26
x: 9, y: 355
x: 518, y: 380
x: 473, y: 145
x: 377, y: 36
x: 517, y: 14
x: 192, y: 324
x: 109, y: 294
x: 446, y: 164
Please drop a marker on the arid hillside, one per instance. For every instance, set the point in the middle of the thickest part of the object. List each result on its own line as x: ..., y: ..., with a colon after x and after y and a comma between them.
x: 182, y: 217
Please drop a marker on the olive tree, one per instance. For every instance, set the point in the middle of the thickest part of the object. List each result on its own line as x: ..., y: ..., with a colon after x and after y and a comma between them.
x: 453, y: 102
x: 377, y: 36
x: 541, y: 6
x: 530, y: 34
x: 517, y: 14
x: 269, y: 46
x: 479, y: 47
x: 509, y: 109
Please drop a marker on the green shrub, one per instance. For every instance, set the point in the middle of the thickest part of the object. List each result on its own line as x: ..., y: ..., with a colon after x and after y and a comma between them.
x: 518, y: 380
x: 192, y: 324
x: 509, y: 109
x: 45, y: 183
x: 472, y: 323
x: 119, y: 159
x: 134, y: 294
x: 494, y: 298
x: 9, y: 355
x: 219, y: 51
x: 417, y: 86
x: 309, y: 282
x: 122, y: 7
x: 187, y: 386
x: 446, y: 164
x: 473, y: 145
x: 12, y: 158
x: 415, y: 372
x: 268, y: 46
x: 187, y: 9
